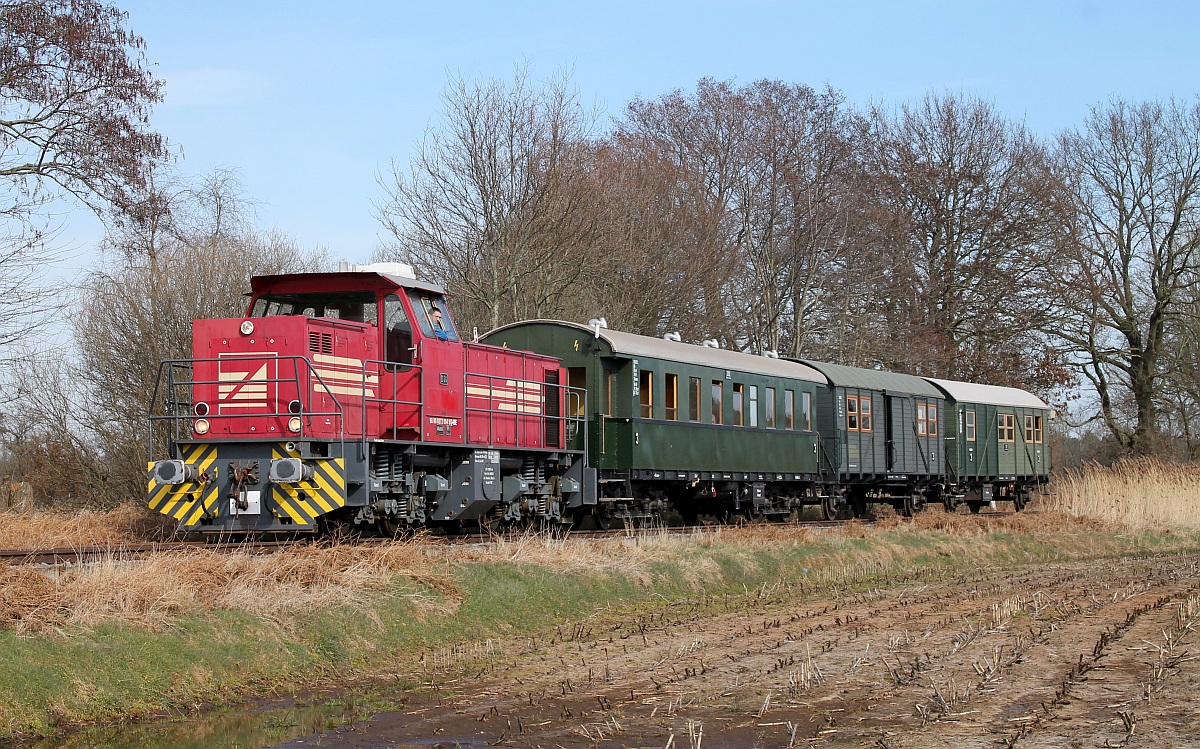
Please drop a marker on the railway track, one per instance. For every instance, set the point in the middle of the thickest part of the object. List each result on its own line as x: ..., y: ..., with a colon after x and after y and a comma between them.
x: 66, y: 555
x: 72, y: 555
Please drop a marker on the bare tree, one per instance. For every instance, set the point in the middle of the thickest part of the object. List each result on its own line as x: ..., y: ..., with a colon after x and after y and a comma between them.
x: 75, y: 97
x: 960, y: 210
x: 701, y: 138
x: 1133, y: 177
x: 493, y: 205
x: 189, y: 256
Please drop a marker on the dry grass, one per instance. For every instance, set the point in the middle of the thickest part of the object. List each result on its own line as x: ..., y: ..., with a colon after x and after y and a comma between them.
x: 150, y: 592
x: 49, y: 529
x: 1139, y: 493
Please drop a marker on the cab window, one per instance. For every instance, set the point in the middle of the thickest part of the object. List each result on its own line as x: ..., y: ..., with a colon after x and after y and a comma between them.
x: 432, y: 316
x: 353, y: 306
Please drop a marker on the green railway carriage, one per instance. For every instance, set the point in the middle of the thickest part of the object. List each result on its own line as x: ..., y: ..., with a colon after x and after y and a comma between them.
x: 702, y: 430
x: 881, y: 434
x: 995, y: 443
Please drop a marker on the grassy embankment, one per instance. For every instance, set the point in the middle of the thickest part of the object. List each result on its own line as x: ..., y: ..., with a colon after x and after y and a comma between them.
x: 126, y: 638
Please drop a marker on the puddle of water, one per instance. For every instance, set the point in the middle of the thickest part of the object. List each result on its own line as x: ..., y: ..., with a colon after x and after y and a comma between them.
x: 216, y: 730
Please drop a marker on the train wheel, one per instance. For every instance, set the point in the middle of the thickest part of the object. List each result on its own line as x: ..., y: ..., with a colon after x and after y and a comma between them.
x: 911, y: 505
x: 1020, y: 499
x: 829, y: 509
x: 975, y: 507
x: 389, y: 527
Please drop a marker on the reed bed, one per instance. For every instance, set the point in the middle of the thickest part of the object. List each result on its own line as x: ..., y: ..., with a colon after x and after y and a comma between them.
x: 1142, y: 493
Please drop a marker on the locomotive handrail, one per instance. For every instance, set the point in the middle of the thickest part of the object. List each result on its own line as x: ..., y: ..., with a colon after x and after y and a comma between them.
x: 180, y: 411
x: 560, y: 421
x: 396, y: 368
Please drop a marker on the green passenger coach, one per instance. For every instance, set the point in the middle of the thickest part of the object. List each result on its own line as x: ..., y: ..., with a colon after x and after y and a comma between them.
x: 713, y: 432
x: 995, y: 443
x: 881, y: 436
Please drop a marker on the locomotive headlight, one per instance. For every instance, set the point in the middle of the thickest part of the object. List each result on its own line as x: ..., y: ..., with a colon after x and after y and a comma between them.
x: 294, y: 424
x: 247, y: 327
x: 201, y: 426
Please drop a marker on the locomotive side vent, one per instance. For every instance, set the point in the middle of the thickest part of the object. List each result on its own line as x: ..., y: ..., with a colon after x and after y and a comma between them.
x: 320, y: 343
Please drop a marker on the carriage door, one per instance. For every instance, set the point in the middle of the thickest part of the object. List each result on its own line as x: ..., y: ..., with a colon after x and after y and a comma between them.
x: 1006, y: 448
x: 894, y: 435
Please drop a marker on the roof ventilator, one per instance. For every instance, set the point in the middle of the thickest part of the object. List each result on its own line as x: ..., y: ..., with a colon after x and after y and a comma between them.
x: 711, y: 343
x: 673, y: 337
x: 771, y: 353
x: 598, y: 322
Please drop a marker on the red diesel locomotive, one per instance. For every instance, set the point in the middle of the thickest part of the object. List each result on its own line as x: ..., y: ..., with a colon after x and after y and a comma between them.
x: 350, y: 398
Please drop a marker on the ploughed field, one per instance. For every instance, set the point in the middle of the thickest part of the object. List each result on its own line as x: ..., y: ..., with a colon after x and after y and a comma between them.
x: 1098, y: 653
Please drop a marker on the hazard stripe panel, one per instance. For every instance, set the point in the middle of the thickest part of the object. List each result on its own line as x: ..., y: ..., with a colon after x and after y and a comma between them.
x: 192, y: 500
x: 305, y: 501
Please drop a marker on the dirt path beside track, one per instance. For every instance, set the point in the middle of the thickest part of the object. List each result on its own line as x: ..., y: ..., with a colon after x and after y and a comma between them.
x: 1081, y: 654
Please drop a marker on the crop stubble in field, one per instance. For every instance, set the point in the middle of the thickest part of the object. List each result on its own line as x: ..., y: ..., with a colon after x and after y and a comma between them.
x: 1079, y: 654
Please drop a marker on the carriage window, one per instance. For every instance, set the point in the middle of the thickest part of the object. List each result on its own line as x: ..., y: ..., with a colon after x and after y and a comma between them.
x: 789, y: 409
x: 738, y: 395
x: 933, y: 420
x: 864, y: 413
x: 752, y: 408
x: 769, y: 403
x: 716, y: 401
x: 646, y: 393
x: 852, y: 413
x: 806, y: 411
x: 397, y: 331
x: 1037, y: 429
x: 694, y: 399
x: 970, y: 426
x: 1029, y: 429
x: 921, y: 419
x: 1007, y: 428
x: 671, y: 397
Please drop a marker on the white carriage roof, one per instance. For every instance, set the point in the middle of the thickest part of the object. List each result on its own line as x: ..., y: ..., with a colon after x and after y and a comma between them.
x: 631, y: 344
x: 994, y: 395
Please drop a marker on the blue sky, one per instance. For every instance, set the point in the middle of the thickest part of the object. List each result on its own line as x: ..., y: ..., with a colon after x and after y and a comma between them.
x: 308, y: 102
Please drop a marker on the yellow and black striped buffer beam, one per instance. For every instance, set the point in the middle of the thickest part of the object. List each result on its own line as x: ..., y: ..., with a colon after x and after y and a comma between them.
x: 190, y: 501
x: 305, y: 501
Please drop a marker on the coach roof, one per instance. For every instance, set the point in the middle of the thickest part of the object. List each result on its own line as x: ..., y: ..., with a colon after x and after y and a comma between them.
x: 874, y: 379
x: 631, y: 344
x: 992, y: 395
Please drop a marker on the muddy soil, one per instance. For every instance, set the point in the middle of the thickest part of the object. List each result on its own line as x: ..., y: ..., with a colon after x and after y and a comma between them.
x: 1090, y: 654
